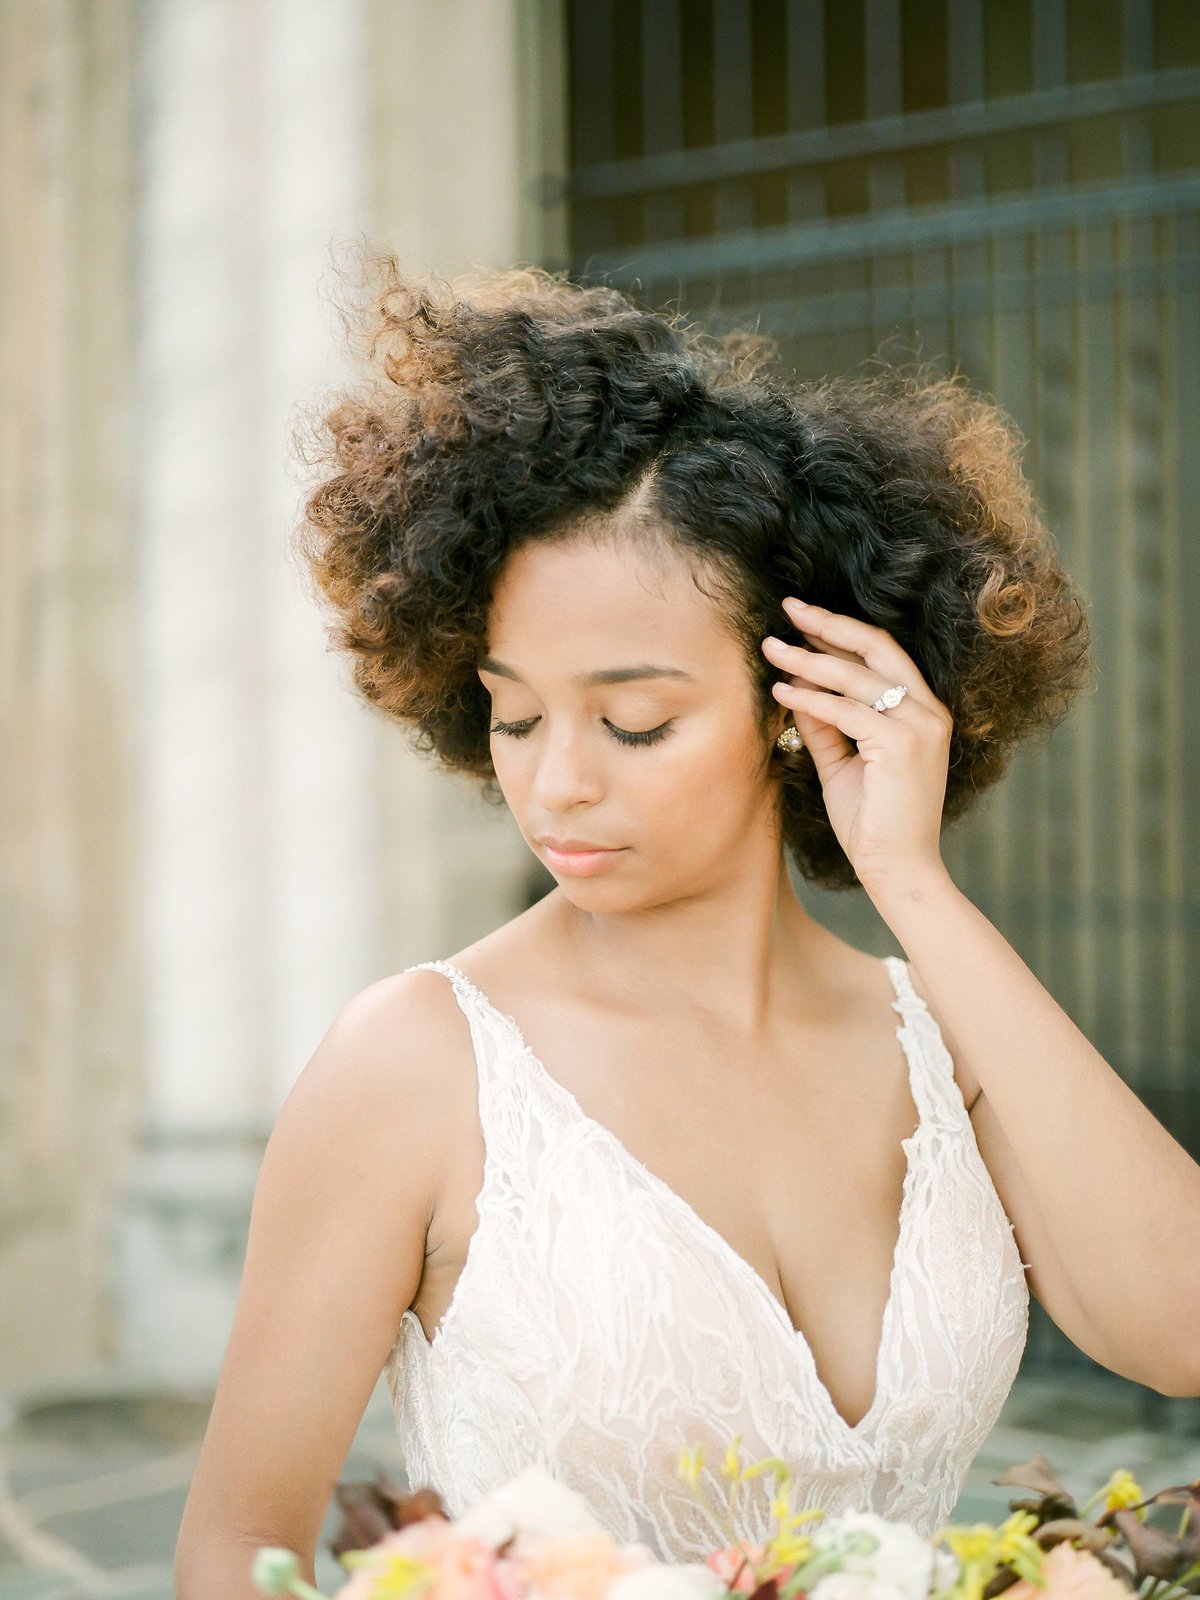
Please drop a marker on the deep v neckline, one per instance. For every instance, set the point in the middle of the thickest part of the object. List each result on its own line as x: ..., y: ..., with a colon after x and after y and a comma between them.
x: 736, y: 1261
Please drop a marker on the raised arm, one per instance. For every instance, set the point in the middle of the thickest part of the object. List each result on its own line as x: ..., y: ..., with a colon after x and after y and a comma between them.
x: 335, y: 1253
x: 1105, y: 1202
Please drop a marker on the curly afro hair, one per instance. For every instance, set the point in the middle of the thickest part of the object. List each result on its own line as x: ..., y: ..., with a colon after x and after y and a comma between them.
x: 509, y: 405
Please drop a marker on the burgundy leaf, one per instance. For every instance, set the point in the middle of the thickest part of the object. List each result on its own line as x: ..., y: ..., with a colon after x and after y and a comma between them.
x: 1086, y: 1534
x: 366, y: 1517
x: 1156, y: 1554
x: 1036, y: 1473
x: 419, y: 1504
x: 371, y: 1510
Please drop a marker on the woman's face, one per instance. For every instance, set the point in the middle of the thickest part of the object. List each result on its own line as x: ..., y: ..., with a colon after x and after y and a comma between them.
x: 663, y: 767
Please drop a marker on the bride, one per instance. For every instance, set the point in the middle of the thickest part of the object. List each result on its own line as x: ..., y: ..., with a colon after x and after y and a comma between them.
x: 662, y: 1162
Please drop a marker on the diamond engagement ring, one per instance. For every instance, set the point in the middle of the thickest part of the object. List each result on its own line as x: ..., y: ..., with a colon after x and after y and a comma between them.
x: 890, y: 697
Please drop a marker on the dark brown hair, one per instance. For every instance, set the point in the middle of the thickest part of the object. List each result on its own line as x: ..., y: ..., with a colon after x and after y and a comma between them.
x: 510, y: 405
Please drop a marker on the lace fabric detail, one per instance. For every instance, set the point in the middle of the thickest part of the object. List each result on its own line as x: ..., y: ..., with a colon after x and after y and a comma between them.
x: 599, y: 1325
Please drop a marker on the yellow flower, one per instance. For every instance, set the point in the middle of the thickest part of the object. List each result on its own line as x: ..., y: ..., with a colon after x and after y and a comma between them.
x: 401, y: 1578
x: 982, y: 1548
x: 731, y: 1466
x: 690, y: 1463
x: 787, y: 1549
x: 1121, y: 1491
x: 1014, y: 1541
x: 974, y: 1542
x: 395, y: 1577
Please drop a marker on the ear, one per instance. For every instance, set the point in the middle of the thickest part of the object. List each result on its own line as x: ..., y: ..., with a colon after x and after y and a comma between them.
x: 781, y: 718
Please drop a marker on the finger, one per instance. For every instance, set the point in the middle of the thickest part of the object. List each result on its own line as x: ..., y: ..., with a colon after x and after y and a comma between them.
x: 827, y: 746
x: 826, y: 648
x: 848, y: 676
x: 876, y: 646
x: 856, y: 720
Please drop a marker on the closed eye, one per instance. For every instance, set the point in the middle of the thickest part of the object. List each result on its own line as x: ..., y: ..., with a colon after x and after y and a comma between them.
x: 518, y: 730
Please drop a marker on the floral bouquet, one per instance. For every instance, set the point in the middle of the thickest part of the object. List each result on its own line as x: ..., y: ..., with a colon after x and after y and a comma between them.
x: 535, y: 1539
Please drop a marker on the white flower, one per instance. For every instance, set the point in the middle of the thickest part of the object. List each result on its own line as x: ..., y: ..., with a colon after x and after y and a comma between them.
x: 904, y: 1565
x: 533, y: 1504
x: 681, y: 1581
x: 853, y: 1586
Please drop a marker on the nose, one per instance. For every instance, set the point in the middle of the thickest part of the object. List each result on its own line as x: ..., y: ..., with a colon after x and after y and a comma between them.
x: 566, y: 773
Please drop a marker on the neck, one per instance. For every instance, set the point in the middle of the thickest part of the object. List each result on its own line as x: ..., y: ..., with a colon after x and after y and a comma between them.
x: 737, y: 950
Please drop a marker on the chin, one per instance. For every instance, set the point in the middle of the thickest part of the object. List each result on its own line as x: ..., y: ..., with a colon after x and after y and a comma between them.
x: 598, y: 895
x: 613, y: 900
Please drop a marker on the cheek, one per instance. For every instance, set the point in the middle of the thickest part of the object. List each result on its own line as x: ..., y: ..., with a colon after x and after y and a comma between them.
x: 705, y: 782
x: 515, y: 772
x: 508, y: 765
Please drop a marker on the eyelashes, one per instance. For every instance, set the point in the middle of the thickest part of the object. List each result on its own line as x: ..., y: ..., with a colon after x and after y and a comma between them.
x: 518, y: 730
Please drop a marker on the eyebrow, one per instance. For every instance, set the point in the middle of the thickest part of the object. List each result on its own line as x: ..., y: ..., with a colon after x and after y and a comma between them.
x: 604, y: 675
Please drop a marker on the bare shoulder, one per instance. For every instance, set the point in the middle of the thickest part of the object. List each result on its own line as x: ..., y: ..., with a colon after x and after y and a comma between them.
x: 389, y: 1052
x: 364, y: 1128
x: 408, y: 1021
x: 335, y: 1254
x: 967, y: 1082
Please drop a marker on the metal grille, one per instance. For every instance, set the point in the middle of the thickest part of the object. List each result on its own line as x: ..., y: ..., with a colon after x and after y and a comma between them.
x: 1012, y: 188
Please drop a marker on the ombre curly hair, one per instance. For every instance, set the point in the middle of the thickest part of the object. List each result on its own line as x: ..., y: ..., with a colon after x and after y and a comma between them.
x: 512, y: 404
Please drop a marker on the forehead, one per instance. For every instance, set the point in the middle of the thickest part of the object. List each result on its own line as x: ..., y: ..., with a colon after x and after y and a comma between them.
x: 597, y: 603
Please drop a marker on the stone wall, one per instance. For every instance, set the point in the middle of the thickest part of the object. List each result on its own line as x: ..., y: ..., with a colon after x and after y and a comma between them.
x: 208, y: 843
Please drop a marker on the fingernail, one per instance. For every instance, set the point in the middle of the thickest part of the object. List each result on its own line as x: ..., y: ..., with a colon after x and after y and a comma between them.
x: 797, y: 605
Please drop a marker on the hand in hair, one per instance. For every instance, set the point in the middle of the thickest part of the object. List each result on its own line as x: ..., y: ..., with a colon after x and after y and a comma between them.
x: 882, y: 773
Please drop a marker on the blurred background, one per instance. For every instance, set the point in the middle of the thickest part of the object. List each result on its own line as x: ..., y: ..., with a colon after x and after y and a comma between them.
x: 207, y: 844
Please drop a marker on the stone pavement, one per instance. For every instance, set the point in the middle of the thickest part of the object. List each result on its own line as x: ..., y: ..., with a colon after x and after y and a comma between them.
x: 91, y: 1490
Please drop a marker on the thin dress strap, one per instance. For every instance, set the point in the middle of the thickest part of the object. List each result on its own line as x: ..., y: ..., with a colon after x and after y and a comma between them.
x: 491, y: 1040
x: 933, y: 1065
x: 462, y: 984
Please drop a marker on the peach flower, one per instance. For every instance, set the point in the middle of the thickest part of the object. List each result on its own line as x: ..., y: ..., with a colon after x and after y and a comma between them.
x: 726, y: 1564
x: 1070, y: 1574
x: 578, y: 1567
x: 462, y: 1569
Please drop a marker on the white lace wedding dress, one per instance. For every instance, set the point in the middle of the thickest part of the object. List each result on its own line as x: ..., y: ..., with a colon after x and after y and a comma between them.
x: 599, y: 1325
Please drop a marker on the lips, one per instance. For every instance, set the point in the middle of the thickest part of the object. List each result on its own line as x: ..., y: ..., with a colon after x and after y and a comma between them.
x: 573, y: 859
x: 567, y: 846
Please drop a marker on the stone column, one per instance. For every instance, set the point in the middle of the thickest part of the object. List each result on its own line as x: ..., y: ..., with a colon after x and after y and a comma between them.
x: 68, y: 669
x: 259, y: 907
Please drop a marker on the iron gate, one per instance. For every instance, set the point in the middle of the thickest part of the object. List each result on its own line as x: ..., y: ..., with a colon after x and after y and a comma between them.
x: 1012, y: 188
